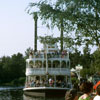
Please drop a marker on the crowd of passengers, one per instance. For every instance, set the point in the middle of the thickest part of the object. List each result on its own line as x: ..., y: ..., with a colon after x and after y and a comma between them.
x: 53, y: 54
x: 48, y: 83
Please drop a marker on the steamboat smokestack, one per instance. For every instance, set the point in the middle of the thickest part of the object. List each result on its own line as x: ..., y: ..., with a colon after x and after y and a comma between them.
x: 35, y: 30
x: 61, y: 37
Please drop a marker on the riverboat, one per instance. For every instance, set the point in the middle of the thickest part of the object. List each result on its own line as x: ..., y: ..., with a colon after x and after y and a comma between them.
x: 48, y: 72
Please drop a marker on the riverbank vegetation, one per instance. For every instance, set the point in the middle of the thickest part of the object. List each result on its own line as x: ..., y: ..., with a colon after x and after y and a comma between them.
x: 12, y: 70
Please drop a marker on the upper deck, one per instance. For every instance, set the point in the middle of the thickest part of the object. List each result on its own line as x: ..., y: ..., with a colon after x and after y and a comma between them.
x: 50, y: 59
x: 50, y: 52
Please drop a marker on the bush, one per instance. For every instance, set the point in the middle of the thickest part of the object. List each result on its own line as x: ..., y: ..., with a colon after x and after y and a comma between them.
x: 21, y: 80
x: 18, y: 82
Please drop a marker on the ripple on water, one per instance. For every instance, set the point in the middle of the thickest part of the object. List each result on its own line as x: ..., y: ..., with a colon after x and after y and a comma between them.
x: 9, y: 94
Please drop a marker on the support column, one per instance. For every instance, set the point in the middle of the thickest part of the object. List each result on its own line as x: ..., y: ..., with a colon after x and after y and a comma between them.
x: 55, y: 81
x: 60, y: 65
x: 51, y: 64
x: 26, y: 83
x: 40, y: 81
x: 66, y: 65
x: 66, y: 81
x: 42, y: 64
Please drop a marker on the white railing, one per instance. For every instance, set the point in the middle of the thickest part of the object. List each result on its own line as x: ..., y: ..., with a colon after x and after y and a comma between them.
x: 51, y: 71
x: 50, y: 56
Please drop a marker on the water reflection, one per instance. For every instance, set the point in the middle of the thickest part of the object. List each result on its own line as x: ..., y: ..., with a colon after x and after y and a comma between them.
x: 11, y: 95
x: 25, y: 97
x: 17, y: 94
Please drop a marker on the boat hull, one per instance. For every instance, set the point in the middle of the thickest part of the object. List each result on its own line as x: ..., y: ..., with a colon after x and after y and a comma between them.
x: 45, y: 91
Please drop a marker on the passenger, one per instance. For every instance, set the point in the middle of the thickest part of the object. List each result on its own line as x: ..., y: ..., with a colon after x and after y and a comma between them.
x: 51, y: 81
x: 71, y: 95
x: 63, y: 84
x: 87, y: 89
x: 57, y: 83
x: 46, y: 83
x: 32, y: 83
x: 37, y: 83
x: 42, y: 83
x: 97, y: 97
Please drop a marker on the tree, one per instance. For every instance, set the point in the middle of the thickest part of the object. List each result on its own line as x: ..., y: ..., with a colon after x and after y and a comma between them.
x: 5, y: 69
x: 49, y: 12
x: 17, y: 66
x: 85, y: 16
x: 82, y: 17
x: 12, y: 68
x: 87, y: 20
x: 96, y: 60
x: 48, y: 39
x: 27, y: 52
x: 75, y: 58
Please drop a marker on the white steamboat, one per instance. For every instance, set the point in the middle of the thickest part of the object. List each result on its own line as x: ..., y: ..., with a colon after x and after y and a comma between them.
x: 48, y: 72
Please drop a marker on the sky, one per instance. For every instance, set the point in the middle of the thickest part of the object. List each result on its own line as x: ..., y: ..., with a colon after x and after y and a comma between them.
x: 17, y: 27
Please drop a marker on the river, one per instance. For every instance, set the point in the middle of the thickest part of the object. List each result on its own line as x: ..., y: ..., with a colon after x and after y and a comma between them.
x: 8, y: 93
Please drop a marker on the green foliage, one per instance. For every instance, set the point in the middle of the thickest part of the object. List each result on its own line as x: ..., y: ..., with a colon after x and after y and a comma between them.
x: 79, y: 17
x: 12, y: 68
x: 27, y: 52
x: 85, y: 72
x: 15, y: 82
x: 18, y: 82
x: 75, y: 59
x: 48, y: 39
x: 22, y: 80
x: 96, y: 60
x: 90, y: 62
x: 74, y: 80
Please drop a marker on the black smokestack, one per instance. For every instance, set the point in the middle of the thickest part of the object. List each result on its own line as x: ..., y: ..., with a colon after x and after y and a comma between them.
x: 35, y: 31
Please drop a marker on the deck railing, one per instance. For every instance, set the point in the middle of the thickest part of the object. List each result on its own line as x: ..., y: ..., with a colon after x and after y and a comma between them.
x: 50, y: 56
x: 51, y: 71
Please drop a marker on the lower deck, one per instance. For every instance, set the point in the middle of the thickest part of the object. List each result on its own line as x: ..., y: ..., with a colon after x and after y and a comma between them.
x: 45, y: 91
